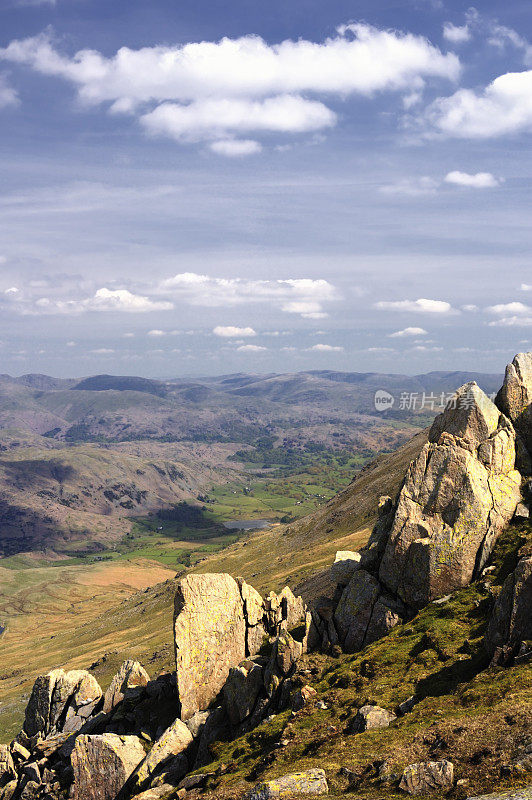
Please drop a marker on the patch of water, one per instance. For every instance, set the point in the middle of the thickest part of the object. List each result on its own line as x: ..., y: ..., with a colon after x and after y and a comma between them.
x: 247, y: 524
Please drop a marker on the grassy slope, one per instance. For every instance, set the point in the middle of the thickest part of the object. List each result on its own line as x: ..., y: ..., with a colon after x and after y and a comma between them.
x: 474, y: 716
x: 77, y: 632
x: 72, y: 498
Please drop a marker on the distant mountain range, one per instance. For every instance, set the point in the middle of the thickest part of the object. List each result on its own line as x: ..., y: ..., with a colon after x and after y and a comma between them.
x: 223, y: 408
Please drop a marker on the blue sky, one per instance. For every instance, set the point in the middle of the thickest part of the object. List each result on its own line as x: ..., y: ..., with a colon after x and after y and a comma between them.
x: 198, y: 188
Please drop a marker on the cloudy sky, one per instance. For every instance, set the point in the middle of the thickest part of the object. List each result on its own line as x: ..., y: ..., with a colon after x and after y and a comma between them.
x: 195, y: 188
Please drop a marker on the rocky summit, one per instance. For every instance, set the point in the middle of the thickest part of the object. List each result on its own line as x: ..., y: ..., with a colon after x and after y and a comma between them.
x: 411, y: 674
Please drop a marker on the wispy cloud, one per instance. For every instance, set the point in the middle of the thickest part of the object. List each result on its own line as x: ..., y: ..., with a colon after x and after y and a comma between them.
x: 456, y: 34
x: 8, y: 95
x: 411, y: 187
x: 236, y: 148
x: 251, y: 348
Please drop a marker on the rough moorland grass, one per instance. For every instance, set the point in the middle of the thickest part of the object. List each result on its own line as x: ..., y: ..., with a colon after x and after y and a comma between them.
x: 473, y: 715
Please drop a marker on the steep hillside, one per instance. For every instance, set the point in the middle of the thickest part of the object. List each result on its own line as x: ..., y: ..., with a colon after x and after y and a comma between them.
x: 80, y: 498
x: 290, y: 554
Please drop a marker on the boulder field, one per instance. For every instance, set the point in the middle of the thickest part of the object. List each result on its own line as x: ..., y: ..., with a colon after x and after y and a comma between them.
x: 236, y: 652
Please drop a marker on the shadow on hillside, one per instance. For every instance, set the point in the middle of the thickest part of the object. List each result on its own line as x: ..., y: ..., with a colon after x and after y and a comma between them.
x: 25, y: 471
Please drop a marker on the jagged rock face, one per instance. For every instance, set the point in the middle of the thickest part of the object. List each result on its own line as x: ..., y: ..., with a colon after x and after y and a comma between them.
x: 457, y: 496
x: 218, y: 623
x: 515, y: 400
x: 170, y: 746
x: 102, y: 764
x: 365, y: 614
x: 242, y: 689
x: 511, y: 621
x: 210, y: 638
x: 61, y: 701
x: 130, y: 674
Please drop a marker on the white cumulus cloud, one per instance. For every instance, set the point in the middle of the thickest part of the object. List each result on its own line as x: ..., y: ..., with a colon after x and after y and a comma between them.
x: 233, y: 332
x: 503, y: 107
x: 199, y: 89
x: 509, y: 308
x: 422, y: 306
x: 304, y: 296
x: 479, y: 180
x: 120, y: 300
x: 212, y: 118
x: 512, y: 322
x: 408, y: 332
x: 326, y: 348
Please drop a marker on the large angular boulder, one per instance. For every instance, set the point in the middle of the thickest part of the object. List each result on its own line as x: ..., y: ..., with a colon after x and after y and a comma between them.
x: 61, y: 701
x: 210, y: 638
x: 365, y: 613
x: 171, y: 746
x: 220, y: 622
x: 102, y: 764
x: 130, y: 675
x: 371, y: 717
x: 346, y: 563
x: 312, y: 781
x: 242, y: 689
x: 515, y: 397
x: 457, y: 496
x: 511, y: 620
x: 353, y: 613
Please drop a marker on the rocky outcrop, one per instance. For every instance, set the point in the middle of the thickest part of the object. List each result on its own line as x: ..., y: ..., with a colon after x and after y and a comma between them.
x: 7, y: 766
x: 364, y: 613
x: 101, y: 765
x: 130, y: 675
x: 346, y: 563
x: 210, y: 638
x: 144, y: 735
x: 427, y: 777
x: 220, y: 624
x: 171, y: 746
x: 457, y: 496
x: 312, y: 781
x: 515, y: 400
x: 510, y: 628
x: 61, y: 701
